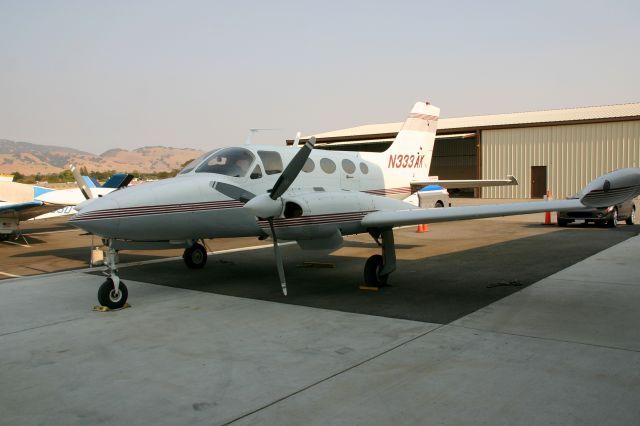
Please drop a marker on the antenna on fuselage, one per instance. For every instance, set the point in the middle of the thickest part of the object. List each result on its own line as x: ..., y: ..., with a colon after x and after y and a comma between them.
x: 252, y: 132
x: 296, y: 141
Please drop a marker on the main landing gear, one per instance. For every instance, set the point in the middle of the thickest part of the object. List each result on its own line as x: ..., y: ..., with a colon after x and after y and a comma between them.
x: 112, y: 293
x: 378, y: 267
x: 195, y: 257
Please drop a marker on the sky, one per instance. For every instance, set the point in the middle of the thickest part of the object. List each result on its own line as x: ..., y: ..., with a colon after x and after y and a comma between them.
x: 97, y: 75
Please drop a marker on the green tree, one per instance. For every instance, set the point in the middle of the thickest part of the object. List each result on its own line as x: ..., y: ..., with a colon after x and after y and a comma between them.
x: 65, y: 176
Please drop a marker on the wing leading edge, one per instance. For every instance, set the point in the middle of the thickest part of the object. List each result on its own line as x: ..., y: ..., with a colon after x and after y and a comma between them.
x: 25, y: 211
x: 382, y: 219
x: 607, y: 190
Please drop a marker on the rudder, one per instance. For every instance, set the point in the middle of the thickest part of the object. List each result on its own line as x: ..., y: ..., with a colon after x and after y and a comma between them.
x: 411, y: 151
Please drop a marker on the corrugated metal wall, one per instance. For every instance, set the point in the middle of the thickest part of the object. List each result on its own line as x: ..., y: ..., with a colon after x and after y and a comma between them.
x: 574, y: 155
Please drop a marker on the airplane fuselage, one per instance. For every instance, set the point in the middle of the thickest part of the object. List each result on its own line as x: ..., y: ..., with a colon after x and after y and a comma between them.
x: 189, y: 207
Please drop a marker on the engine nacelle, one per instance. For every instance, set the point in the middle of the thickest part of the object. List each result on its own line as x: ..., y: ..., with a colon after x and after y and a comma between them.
x: 324, y: 215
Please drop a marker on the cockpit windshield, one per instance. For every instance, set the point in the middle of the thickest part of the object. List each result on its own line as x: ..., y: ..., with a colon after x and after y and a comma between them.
x: 233, y: 162
x: 193, y: 163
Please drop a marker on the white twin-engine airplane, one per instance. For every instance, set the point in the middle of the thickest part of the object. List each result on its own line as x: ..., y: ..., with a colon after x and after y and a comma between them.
x: 315, y: 200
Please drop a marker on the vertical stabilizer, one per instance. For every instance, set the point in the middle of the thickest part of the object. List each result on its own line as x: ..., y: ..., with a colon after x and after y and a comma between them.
x: 409, y: 156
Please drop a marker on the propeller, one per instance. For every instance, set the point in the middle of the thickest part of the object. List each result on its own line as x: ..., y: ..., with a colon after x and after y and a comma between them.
x: 270, y: 205
x: 84, y: 188
x: 233, y: 191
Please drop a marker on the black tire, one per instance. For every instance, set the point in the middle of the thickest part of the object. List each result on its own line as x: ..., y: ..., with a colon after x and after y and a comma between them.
x: 439, y: 204
x: 613, y: 222
x: 195, y: 257
x: 632, y: 217
x: 372, y: 267
x: 563, y: 222
x: 107, y: 296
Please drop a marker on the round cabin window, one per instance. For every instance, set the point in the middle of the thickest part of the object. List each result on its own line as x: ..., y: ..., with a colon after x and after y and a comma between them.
x: 348, y: 166
x: 327, y: 166
x: 309, y: 166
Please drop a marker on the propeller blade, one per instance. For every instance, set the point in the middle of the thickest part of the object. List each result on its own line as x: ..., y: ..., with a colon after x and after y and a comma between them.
x: 84, y: 188
x: 232, y: 191
x: 292, y: 170
x: 276, y: 252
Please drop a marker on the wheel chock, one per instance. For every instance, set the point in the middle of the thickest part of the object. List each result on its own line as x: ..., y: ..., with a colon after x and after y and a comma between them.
x: 100, y: 308
x: 366, y: 287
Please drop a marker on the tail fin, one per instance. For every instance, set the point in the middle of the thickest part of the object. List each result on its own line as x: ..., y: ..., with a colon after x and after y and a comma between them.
x: 408, y: 159
x: 119, y: 180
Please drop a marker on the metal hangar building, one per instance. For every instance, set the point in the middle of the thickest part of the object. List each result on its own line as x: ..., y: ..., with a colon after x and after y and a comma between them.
x: 556, y: 150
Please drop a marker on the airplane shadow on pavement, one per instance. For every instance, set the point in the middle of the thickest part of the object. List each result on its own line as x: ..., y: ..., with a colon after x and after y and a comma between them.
x: 431, y: 288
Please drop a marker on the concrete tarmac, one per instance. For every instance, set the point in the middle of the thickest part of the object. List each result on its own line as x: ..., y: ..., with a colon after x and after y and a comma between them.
x: 558, y: 349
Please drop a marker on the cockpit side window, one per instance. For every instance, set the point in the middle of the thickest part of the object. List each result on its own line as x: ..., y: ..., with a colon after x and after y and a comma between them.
x: 235, y: 162
x: 256, y: 173
x: 271, y: 161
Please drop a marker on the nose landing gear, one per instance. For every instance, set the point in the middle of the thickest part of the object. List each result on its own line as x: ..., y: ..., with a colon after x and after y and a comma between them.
x: 112, y: 293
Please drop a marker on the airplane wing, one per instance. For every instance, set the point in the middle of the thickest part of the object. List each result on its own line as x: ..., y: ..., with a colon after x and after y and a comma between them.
x: 25, y: 211
x: 477, y: 183
x: 386, y: 219
x: 607, y: 190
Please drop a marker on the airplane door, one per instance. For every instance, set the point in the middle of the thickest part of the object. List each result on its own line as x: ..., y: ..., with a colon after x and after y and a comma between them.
x: 349, y: 179
x: 538, y: 181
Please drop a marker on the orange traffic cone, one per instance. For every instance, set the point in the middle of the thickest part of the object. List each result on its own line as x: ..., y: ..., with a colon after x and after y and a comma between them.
x: 422, y: 228
x: 547, y: 215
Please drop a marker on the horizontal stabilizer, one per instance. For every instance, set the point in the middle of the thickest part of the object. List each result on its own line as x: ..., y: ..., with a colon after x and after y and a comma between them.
x: 510, y: 180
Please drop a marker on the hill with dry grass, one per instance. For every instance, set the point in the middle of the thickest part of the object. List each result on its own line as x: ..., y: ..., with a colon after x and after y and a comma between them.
x: 29, y: 159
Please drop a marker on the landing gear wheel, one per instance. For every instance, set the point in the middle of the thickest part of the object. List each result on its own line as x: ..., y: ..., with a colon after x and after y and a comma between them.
x: 372, y: 267
x: 613, y: 222
x: 632, y: 218
x: 562, y: 222
x: 195, y: 257
x: 107, y: 295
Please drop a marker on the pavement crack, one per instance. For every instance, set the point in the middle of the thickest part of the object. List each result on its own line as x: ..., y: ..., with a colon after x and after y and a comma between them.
x: 548, y: 339
x: 336, y: 374
x: 40, y: 326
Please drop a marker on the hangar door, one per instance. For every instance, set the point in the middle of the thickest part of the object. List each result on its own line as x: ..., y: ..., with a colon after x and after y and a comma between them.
x: 456, y: 157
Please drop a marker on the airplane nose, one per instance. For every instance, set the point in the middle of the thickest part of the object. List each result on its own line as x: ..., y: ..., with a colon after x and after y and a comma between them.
x: 98, y: 216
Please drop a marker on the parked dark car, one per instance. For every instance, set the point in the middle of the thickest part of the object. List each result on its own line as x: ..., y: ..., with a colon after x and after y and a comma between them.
x: 609, y: 216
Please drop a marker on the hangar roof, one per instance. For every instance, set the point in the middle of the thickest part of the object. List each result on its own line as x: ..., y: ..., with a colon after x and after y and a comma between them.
x: 516, y: 119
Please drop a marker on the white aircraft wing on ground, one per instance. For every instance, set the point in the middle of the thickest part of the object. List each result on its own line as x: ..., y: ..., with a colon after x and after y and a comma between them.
x: 609, y: 189
x: 26, y: 210
x: 411, y: 217
x: 13, y: 213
